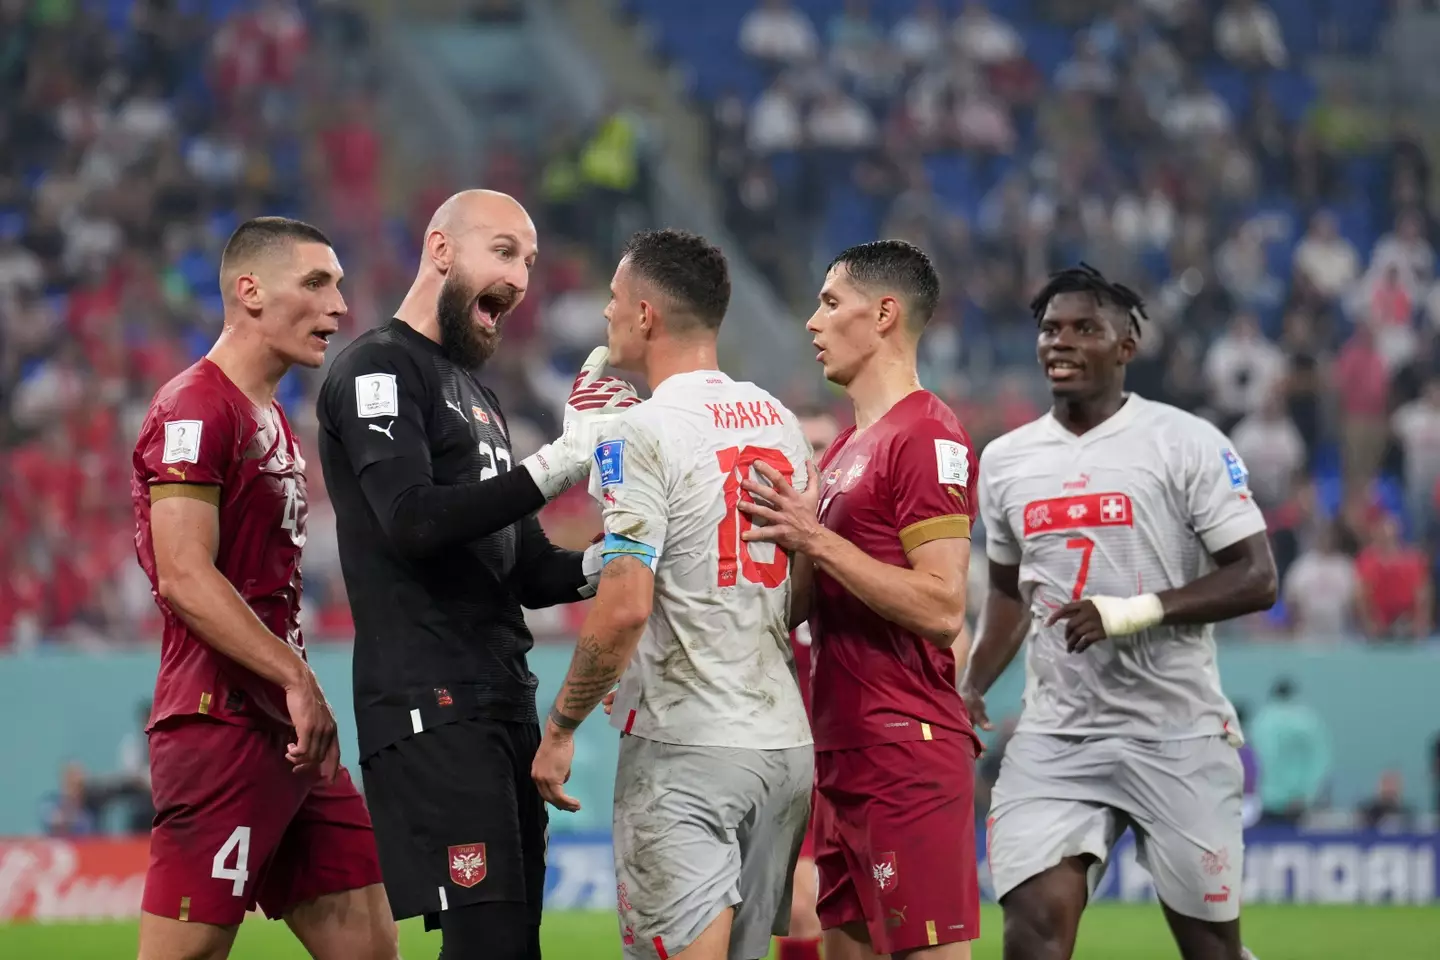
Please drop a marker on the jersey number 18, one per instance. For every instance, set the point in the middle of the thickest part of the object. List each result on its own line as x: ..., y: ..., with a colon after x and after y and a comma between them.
x: 736, y: 462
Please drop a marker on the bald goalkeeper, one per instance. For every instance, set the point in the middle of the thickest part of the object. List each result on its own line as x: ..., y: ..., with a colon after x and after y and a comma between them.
x: 441, y: 549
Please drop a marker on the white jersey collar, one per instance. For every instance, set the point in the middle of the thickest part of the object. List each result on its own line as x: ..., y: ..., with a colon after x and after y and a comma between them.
x: 677, y: 381
x: 1129, y: 410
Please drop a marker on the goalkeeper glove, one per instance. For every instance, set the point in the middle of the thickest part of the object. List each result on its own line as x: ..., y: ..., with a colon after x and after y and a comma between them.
x: 594, y: 401
x: 590, y: 564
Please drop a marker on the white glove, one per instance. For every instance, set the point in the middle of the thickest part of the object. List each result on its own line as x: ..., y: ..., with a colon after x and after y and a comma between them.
x: 591, y: 565
x: 593, y: 402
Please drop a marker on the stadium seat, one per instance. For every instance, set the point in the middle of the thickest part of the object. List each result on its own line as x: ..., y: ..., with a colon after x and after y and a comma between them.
x: 1293, y: 92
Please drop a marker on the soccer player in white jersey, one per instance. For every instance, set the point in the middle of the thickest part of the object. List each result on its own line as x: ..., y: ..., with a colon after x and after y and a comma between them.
x: 712, y: 794
x: 1117, y: 530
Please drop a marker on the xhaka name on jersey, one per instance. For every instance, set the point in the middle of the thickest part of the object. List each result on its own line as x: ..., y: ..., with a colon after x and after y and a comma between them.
x: 744, y: 415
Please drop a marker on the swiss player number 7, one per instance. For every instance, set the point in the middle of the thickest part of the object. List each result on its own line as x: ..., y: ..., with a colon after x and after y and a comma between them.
x: 1086, y: 546
x: 734, y: 463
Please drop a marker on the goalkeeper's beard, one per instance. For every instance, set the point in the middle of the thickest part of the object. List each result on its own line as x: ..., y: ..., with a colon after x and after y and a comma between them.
x: 462, y: 339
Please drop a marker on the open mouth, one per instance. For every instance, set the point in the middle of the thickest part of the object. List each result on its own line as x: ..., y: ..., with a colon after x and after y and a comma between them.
x: 819, y: 352
x: 491, y: 307
x: 1062, y: 370
x: 320, y: 339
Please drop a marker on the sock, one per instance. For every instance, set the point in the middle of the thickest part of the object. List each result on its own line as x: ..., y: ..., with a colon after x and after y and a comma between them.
x: 791, y: 949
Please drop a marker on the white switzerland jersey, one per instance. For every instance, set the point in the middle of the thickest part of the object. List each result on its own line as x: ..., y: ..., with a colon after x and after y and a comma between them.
x: 714, y: 666
x: 1138, y: 505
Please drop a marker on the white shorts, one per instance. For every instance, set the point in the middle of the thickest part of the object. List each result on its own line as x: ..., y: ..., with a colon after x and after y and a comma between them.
x: 700, y: 829
x: 1060, y: 797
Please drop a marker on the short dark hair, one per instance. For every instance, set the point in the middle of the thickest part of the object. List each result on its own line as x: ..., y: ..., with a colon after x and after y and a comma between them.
x: 895, y: 267
x: 1084, y: 278
x: 685, y: 267
x: 261, y: 235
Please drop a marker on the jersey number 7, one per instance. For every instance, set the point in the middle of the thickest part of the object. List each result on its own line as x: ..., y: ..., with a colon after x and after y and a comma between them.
x: 735, y: 462
x: 1086, y: 546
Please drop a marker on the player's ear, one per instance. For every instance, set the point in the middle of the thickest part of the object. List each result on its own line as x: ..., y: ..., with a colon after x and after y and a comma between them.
x: 1127, y: 348
x: 888, y: 316
x: 438, y: 249
x: 248, y: 290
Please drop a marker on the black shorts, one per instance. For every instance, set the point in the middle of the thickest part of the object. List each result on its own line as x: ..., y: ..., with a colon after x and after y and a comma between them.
x: 458, y: 819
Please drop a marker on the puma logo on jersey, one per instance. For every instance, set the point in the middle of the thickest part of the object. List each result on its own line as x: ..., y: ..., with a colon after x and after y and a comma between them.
x: 454, y: 406
x: 178, y: 473
x: 385, y: 429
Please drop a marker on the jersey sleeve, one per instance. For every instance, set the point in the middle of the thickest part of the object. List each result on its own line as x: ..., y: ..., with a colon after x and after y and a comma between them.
x: 931, y: 472
x: 1001, y: 544
x: 800, y: 454
x: 189, y: 438
x: 376, y: 405
x: 628, y: 477
x: 1217, y: 490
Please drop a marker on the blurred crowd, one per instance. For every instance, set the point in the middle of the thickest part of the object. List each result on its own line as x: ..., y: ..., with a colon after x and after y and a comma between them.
x: 1280, y: 235
x: 134, y: 137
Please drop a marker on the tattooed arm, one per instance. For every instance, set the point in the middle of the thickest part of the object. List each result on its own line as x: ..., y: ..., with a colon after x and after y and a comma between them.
x: 607, y: 641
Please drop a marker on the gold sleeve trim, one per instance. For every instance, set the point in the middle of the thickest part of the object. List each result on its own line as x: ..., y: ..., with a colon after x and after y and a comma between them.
x: 208, y: 492
x: 955, y: 526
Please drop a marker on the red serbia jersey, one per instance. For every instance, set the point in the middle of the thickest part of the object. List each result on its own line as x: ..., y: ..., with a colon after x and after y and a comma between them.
x: 901, y: 483
x: 201, y: 429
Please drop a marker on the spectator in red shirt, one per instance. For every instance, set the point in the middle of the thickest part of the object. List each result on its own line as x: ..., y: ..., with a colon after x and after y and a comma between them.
x: 352, y: 154
x: 1364, y: 405
x: 1396, y: 599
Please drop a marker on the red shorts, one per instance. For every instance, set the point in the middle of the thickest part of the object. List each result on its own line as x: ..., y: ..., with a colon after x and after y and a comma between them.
x: 235, y: 827
x: 894, y: 830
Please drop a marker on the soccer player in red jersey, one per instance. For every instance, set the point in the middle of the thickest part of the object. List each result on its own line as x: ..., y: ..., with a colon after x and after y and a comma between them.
x: 252, y: 805
x: 803, y: 942
x: 887, y: 554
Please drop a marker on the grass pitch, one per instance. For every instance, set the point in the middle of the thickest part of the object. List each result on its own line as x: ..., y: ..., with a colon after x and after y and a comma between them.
x: 1109, y: 932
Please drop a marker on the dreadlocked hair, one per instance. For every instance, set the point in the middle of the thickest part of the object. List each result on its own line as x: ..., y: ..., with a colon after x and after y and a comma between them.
x: 1086, y: 279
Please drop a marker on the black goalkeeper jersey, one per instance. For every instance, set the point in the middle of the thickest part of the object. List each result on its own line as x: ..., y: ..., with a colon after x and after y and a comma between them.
x: 439, y: 543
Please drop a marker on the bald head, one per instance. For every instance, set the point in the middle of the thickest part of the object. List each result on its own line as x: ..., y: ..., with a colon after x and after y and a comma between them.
x: 469, y: 209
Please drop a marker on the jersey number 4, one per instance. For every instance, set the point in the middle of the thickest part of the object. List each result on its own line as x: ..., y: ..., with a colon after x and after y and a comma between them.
x: 239, y: 844
x: 290, y: 518
x: 735, y: 463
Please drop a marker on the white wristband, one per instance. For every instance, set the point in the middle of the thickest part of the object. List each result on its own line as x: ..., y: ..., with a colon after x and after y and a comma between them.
x: 1122, y: 616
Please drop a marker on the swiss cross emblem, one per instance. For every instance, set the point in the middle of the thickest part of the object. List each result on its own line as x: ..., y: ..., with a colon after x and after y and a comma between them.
x: 467, y: 863
x: 1112, y: 509
x: 886, y: 875
x: 1215, y: 863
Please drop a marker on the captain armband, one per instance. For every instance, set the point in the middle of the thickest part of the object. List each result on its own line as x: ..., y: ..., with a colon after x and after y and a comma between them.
x: 208, y: 492
x: 616, y: 546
